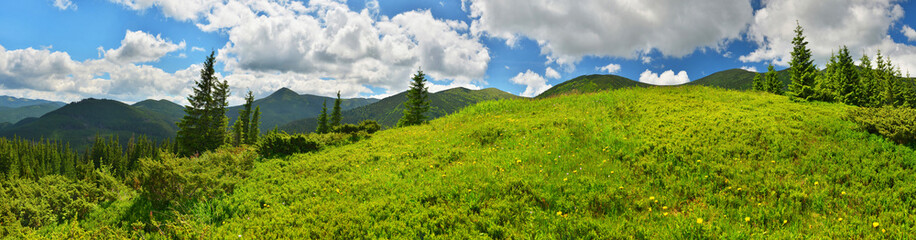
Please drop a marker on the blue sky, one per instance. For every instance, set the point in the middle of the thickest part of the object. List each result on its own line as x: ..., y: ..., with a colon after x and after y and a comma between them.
x: 131, y: 50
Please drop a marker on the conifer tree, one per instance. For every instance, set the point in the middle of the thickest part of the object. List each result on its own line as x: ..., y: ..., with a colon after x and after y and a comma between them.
x: 237, y: 132
x: 204, y: 124
x: 868, y: 87
x: 801, y: 67
x: 847, y: 78
x: 772, y: 82
x: 417, y: 101
x: 245, y: 116
x: 323, y: 119
x: 253, y: 130
x: 335, y: 113
x: 758, y: 83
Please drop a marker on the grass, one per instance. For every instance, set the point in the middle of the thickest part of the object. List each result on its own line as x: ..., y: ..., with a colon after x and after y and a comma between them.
x: 677, y: 162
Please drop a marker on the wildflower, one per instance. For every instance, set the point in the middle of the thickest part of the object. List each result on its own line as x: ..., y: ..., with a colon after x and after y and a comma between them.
x: 651, y: 198
x: 518, y: 161
x: 875, y: 224
x: 559, y: 213
x: 666, y: 214
x: 815, y: 183
x: 843, y: 193
x: 785, y: 221
x: 839, y: 219
x: 882, y: 230
x: 665, y: 208
x: 612, y: 172
x: 564, y: 179
x: 700, y: 220
x: 747, y: 219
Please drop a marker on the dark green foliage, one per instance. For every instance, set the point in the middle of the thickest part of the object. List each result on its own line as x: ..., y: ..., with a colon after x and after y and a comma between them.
x: 895, y: 123
x: 772, y: 82
x: 245, y: 127
x: 335, y: 113
x: 13, y: 115
x: 370, y: 126
x: 417, y: 102
x: 204, y: 125
x: 173, y: 182
x: 590, y: 83
x: 323, y: 119
x: 51, y: 199
x: 280, y: 144
x: 253, y: 130
x: 346, y: 128
x: 801, y: 67
x: 758, y: 83
x: 867, y: 93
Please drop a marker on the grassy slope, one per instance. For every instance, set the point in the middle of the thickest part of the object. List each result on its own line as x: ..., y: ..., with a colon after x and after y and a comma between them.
x: 627, y: 163
x: 13, y: 115
x: 591, y: 83
x: 737, y: 79
x: 387, y: 111
x: 285, y: 105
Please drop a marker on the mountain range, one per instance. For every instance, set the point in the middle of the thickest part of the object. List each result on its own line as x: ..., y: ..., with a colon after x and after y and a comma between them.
x: 79, y: 122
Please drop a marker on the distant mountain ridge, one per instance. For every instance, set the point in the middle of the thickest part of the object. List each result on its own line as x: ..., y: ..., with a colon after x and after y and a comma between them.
x: 285, y: 105
x: 14, y: 102
x: 13, y: 109
x: 389, y: 110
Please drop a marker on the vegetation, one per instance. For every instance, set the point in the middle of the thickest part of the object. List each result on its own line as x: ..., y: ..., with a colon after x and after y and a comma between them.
x: 417, y: 102
x: 801, y: 67
x: 388, y: 111
x: 323, y: 120
x: 285, y: 106
x: 246, y: 127
x: 589, y: 84
x: 204, y: 125
x: 13, y: 115
x: 335, y: 114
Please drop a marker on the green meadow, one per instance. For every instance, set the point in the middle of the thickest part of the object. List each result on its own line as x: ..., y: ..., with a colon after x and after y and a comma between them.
x: 687, y: 162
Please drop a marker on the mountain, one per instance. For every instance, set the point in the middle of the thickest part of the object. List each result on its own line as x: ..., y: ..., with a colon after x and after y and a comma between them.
x: 14, y: 102
x: 14, y: 114
x: 389, y: 110
x: 166, y: 109
x: 285, y: 105
x: 737, y: 79
x: 591, y: 83
x: 78, y: 123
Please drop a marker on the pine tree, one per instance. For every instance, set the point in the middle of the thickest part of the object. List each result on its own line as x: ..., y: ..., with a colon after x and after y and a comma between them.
x: 243, y: 123
x: 801, y: 67
x: 253, y: 130
x: 773, y: 84
x: 758, y: 83
x: 335, y: 113
x: 868, y: 87
x: 847, y: 78
x: 238, y: 133
x: 826, y: 83
x: 417, y: 101
x: 323, y: 119
x: 204, y: 124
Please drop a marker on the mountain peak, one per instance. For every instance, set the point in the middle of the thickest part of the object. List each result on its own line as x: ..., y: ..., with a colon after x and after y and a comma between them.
x: 284, y: 92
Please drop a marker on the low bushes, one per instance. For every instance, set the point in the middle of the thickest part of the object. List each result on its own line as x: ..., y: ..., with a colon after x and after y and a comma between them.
x: 172, y: 181
x: 896, y: 123
x: 281, y: 143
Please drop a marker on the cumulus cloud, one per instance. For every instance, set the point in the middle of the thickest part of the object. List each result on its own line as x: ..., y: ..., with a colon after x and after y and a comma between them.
x: 325, y: 40
x: 184, y: 10
x: 909, y: 33
x: 198, y: 49
x: 749, y: 68
x: 666, y: 78
x: 551, y: 73
x: 617, y: 28
x: 64, y: 4
x: 535, y: 84
x: 863, y: 26
x: 138, y: 46
x: 610, y: 68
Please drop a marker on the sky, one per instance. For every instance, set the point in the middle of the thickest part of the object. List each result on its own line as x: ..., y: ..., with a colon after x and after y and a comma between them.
x: 132, y: 50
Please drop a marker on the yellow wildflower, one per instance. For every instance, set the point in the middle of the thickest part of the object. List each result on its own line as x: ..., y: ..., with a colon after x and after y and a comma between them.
x: 518, y: 161
x: 666, y: 214
x: 564, y: 179
x: 747, y: 219
x: 843, y: 193
x: 559, y: 213
x: 785, y: 221
x: 700, y: 220
x: 665, y: 208
x: 875, y: 224
x: 651, y: 198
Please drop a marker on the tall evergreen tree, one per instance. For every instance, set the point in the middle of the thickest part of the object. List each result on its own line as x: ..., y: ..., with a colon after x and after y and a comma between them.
x: 245, y: 116
x: 335, y: 113
x: 417, y: 101
x: 758, y: 83
x: 772, y: 82
x: 204, y: 124
x: 238, y: 133
x: 868, y: 87
x: 801, y: 67
x: 323, y: 119
x: 847, y: 77
x: 253, y: 130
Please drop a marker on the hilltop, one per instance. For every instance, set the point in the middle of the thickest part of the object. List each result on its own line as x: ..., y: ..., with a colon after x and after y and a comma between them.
x: 285, y: 105
x: 388, y: 110
x: 16, y: 114
x: 737, y: 79
x: 591, y: 83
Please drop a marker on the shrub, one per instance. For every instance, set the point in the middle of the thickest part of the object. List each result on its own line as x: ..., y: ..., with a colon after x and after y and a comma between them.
x: 346, y: 128
x: 369, y: 126
x: 895, y: 123
x: 280, y: 143
x: 171, y: 181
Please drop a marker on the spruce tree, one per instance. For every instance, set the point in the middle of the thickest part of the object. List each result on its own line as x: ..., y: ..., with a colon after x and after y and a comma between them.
x: 801, y: 67
x: 245, y: 116
x: 417, y: 101
x: 758, y: 83
x: 335, y: 113
x: 323, y: 119
x: 772, y: 82
x: 253, y: 130
x: 204, y: 125
x: 868, y: 87
x: 237, y: 133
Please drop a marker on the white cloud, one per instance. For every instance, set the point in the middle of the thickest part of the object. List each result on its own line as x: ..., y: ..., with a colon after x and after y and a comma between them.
x: 749, y: 68
x: 666, y: 78
x: 909, y: 33
x: 197, y: 49
x: 616, y: 28
x: 64, y: 4
x: 646, y: 59
x: 862, y: 26
x: 535, y: 84
x: 183, y: 10
x: 550, y: 73
x: 138, y: 46
x: 610, y: 68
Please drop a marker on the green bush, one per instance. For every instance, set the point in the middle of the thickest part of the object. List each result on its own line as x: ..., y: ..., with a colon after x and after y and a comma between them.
x: 370, y: 126
x: 346, y: 128
x: 52, y: 199
x: 274, y: 144
x: 895, y: 123
x: 171, y: 181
